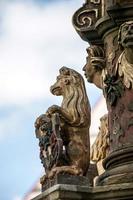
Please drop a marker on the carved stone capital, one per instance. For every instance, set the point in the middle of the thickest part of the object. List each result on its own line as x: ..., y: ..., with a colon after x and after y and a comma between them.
x: 96, y: 17
x: 85, y: 18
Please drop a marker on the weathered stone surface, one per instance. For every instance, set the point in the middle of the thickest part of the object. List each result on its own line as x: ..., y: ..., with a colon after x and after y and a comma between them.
x: 63, y: 132
x: 74, y: 192
x: 114, y: 28
x: 65, y: 192
x: 113, y: 192
x: 66, y: 179
x: 95, y: 18
x: 118, y: 92
x: 100, y: 147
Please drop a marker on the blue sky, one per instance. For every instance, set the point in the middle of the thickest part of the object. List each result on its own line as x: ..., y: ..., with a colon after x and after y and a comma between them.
x: 37, y: 38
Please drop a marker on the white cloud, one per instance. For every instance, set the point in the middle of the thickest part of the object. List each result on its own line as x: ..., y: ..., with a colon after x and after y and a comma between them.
x: 35, y: 43
x: 17, y: 198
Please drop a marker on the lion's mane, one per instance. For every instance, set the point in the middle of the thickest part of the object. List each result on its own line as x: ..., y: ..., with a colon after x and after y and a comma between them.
x: 76, y: 102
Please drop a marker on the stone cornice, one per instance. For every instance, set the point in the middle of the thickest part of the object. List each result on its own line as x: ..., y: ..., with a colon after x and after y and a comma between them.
x: 95, y: 18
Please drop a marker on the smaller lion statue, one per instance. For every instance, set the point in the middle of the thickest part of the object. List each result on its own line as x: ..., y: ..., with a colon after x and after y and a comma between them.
x: 63, y: 131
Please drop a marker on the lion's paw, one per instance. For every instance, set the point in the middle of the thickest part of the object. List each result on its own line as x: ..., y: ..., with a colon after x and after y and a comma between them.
x: 53, y: 109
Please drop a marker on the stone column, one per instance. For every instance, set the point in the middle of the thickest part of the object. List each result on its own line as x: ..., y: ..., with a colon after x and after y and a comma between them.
x: 110, y: 24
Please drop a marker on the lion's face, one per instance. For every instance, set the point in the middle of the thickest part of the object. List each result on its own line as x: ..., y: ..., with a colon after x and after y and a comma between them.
x: 70, y: 85
x: 60, y: 86
x: 126, y: 34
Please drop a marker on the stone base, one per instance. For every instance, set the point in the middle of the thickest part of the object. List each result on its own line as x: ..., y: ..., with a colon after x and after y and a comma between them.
x: 66, y: 179
x: 75, y: 192
x: 118, y: 167
x: 113, y: 192
x: 65, y: 192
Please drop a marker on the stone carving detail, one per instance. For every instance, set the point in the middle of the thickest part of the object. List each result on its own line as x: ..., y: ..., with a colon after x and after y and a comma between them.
x: 100, y: 148
x: 86, y: 18
x: 87, y: 15
x: 117, y: 133
x: 51, y: 144
x: 118, y: 89
x: 118, y: 92
x: 94, y: 68
x: 68, y: 146
x: 43, y: 130
x: 113, y: 89
x: 112, y: 29
x: 124, y: 66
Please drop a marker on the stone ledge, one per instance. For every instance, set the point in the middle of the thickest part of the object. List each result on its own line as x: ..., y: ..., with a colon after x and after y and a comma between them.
x: 113, y: 192
x: 65, y: 179
x: 74, y: 192
x: 65, y: 192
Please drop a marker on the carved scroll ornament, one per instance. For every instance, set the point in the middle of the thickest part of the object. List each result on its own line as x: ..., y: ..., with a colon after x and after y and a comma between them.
x: 85, y: 18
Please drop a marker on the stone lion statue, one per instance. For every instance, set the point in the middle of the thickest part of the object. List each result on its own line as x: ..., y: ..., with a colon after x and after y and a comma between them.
x: 74, y: 114
x: 100, y: 148
x: 124, y: 66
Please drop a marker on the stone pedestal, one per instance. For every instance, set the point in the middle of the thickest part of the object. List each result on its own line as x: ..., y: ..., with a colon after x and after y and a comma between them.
x: 75, y: 192
x: 66, y: 179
